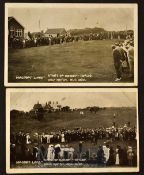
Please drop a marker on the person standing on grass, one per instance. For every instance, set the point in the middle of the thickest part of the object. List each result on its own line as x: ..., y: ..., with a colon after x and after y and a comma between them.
x: 28, y: 138
x: 57, y: 151
x: 66, y: 150
x: 121, y: 157
x: 125, y: 159
x: 61, y: 154
x: 130, y: 54
x: 80, y: 148
x: 13, y: 153
x: 117, y: 56
x: 117, y: 162
x: 106, y: 152
x: 130, y: 156
x: 62, y: 137
x: 71, y: 152
x: 51, y: 153
x: 111, y: 160
x: 35, y: 152
x: 100, y: 156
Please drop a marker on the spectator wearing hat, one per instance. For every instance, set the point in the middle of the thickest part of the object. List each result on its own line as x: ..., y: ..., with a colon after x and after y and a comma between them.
x: 130, y: 155
x: 117, y: 61
x: 111, y: 160
x: 100, y: 156
x: 106, y: 151
x: 130, y: 53
x: 71, y: 152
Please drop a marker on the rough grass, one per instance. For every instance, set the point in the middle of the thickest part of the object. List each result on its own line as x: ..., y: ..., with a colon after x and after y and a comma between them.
x: 83, y: 57
x: 57, y: 121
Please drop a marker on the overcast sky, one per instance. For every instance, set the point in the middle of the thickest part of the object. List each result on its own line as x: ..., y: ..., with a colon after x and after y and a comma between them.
x: 74, y: 18
x: 26, y: 100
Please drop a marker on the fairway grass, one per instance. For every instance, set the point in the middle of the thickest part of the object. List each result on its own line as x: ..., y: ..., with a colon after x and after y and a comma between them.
x: 84, y: 57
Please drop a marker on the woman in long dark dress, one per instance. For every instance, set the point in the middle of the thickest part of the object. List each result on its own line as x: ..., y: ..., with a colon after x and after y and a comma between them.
x: 111, y: 160
x: 100, y: 156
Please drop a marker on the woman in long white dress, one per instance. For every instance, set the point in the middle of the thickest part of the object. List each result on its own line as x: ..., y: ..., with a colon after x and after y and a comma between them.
x: 50, y: 155
x: 28, y: 138
x: 117, y: 156
x: 62, y: 137
x: 62, y: 152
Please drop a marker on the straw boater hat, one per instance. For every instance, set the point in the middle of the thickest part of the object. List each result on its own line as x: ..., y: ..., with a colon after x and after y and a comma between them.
x: 50, y: 145
x: 35, y: 134
x: 57, y: 145
x: 116, y: 44
x: 129, y: 147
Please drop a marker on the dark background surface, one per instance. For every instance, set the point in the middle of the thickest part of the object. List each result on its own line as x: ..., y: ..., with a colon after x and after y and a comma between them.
x: 140, y: 76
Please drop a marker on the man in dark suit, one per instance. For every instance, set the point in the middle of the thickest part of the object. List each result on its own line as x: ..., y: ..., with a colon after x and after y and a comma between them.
x: 117, y: 61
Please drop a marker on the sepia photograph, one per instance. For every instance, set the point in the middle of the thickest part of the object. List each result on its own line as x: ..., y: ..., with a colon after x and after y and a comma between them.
x: 71, y: 44
x: 72, y: 130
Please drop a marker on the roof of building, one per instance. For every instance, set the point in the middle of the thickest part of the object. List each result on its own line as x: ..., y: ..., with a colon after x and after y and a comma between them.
x: 37, y: 106
x: 47, y: 106
x: 37, y: 34
x: 55, y: 31
x: 12, y: 18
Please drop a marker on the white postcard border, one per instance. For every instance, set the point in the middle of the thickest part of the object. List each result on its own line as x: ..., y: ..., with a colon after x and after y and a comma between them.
x: 76, y: 5
x: 64, y: 170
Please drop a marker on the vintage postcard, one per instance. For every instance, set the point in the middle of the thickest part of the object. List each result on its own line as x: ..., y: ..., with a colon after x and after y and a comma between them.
x: 71, y: 44
x: 71, y: 130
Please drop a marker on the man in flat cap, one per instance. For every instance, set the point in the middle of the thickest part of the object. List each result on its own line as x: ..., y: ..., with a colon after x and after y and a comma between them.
x: 117, y: 61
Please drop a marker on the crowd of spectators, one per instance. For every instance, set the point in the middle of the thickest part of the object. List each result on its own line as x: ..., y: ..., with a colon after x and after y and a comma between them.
x: 58, y: 146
